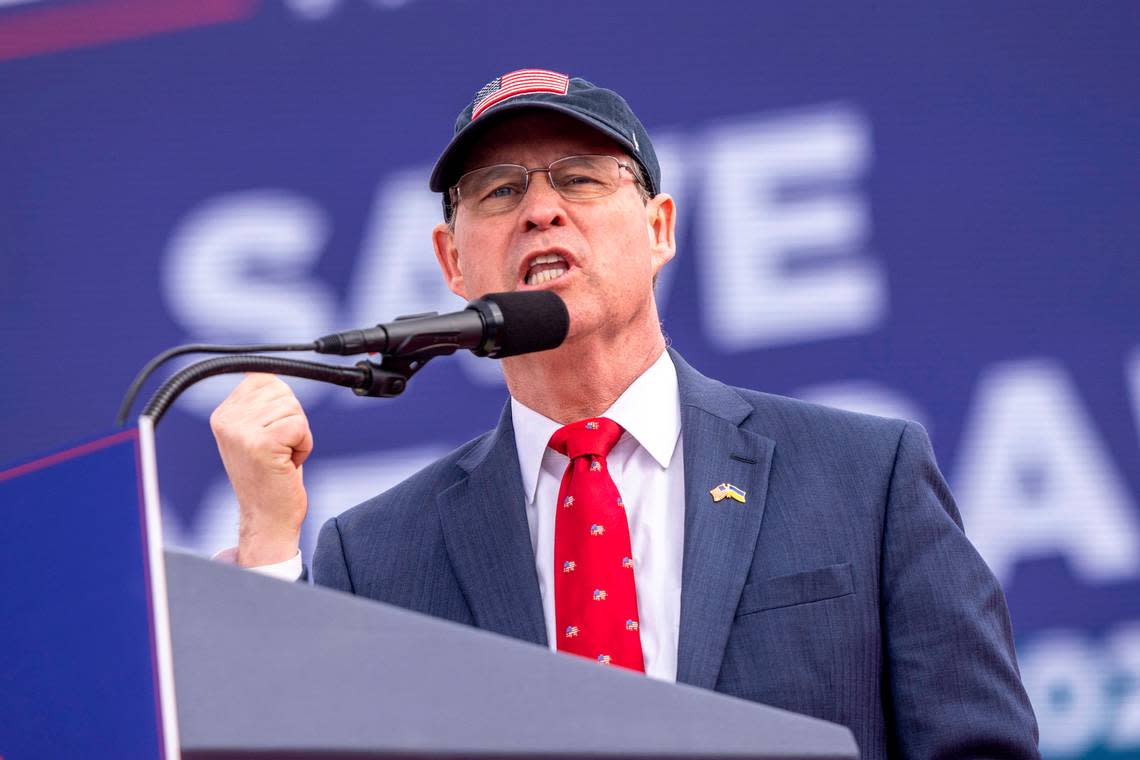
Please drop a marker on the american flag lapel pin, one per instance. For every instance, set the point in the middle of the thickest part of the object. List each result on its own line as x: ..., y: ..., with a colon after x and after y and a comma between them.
x: 728, y: 491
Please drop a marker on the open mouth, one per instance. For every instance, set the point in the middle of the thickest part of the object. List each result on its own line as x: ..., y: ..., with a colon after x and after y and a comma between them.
x: 544, y: 268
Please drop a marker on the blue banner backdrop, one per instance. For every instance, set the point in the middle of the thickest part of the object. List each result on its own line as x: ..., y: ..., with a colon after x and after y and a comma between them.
x: 919, y: 210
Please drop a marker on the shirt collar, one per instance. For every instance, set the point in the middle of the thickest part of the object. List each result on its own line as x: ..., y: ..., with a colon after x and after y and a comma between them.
x: 649, y: 410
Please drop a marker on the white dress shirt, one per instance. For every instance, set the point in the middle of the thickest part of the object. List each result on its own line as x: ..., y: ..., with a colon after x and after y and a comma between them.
x: 647, y: 465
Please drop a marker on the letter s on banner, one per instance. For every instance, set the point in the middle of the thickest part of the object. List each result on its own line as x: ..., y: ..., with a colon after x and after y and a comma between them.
x: 239, y: 269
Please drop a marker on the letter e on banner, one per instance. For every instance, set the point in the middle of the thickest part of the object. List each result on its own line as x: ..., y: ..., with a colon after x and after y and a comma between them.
x: 783, y: 240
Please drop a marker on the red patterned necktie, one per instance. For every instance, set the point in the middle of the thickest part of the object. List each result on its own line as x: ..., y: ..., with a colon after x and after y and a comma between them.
x: 595, y: 598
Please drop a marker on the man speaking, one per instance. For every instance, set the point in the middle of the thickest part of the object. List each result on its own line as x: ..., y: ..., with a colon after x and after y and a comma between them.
x: 630, y: 510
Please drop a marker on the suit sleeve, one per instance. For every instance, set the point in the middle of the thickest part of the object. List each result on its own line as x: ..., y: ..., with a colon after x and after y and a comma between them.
x: 330, y: 568
x: 953, y: 685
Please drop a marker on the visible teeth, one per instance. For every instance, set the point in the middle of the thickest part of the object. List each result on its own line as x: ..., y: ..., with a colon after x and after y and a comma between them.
x: 545, y: 272
x: 547, y: 258
x: 546, y: 275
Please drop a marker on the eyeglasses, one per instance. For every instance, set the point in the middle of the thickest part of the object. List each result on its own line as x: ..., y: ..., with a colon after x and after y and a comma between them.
x: 500, y: 188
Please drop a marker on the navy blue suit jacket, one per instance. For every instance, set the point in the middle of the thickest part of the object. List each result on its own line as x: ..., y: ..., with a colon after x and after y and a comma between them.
x: 844, y: 588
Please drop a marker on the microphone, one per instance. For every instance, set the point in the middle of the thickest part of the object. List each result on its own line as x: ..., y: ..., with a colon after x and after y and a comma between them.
x: 497, y: 325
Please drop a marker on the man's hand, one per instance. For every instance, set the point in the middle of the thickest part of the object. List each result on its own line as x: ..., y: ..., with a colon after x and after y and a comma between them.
x: 264, y: 438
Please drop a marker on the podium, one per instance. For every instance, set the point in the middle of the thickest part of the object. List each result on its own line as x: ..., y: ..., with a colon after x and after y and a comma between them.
x: 267, y: 669
x: 264, y: 667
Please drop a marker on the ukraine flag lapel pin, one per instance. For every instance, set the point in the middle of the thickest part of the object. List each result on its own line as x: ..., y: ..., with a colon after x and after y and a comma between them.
x: 728, y: 491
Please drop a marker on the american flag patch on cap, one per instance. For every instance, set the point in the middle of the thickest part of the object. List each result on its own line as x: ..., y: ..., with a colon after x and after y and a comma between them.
x: 516, y: 83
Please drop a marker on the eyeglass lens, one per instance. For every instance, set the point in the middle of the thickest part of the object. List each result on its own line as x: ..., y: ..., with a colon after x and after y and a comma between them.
x: 494, y: 189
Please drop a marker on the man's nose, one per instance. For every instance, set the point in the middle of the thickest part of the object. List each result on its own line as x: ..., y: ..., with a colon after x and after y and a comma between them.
x: 542, y: 206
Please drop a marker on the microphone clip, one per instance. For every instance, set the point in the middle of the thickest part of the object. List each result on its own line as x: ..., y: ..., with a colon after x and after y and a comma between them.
x: 389, y: 377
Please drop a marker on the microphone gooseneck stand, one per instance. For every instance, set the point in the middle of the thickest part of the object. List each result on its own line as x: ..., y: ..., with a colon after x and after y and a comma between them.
x: 194, y: 348
x: 366, y: 378
x: 497, y: 325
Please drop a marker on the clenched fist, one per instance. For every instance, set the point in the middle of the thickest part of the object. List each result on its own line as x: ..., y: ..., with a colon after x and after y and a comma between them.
x: 264, y: 438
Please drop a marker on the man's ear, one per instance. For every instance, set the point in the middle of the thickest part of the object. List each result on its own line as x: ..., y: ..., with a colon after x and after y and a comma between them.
x: 661, y: 225
x: 443, y: 239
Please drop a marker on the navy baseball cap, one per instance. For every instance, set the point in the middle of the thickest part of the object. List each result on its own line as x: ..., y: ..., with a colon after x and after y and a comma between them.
x: 594, y: 106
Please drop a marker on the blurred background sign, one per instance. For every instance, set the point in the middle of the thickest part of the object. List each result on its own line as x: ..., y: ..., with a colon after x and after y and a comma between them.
x: 921, y: 210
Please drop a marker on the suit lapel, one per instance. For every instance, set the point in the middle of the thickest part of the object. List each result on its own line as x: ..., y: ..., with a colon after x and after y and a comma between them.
x: 720, y: 537
x: 488, y: 539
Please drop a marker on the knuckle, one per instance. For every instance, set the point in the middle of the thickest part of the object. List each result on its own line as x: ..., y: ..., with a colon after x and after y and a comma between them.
x: 278, y: 385
x: 219, y: 425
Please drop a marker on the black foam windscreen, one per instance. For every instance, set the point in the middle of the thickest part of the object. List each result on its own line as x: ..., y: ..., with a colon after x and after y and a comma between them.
x: 534, y: 320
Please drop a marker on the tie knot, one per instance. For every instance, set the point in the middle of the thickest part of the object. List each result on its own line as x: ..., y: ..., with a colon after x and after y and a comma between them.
x: 595, y: 436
